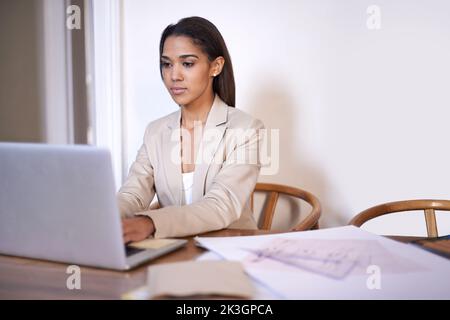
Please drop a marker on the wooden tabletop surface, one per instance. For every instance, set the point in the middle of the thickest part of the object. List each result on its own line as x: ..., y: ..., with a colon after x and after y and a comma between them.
x: 23, y: 278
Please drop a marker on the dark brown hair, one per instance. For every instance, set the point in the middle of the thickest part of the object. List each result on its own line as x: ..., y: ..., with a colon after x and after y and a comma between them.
x: 205, y: 35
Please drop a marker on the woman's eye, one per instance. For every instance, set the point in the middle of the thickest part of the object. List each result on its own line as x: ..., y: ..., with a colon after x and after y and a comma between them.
x: 188, y: 64
x: 165, y: 64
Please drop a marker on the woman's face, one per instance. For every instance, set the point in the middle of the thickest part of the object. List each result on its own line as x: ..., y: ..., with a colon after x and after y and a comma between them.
x: 187, y: 72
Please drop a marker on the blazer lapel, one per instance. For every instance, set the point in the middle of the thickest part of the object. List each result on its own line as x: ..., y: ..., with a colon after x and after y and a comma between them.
x: 171, y: 150
x: 213, y: 133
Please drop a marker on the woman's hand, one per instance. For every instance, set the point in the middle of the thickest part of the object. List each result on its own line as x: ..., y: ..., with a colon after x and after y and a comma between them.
x: 137, y: 228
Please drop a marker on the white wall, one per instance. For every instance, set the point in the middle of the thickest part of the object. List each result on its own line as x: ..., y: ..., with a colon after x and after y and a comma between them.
x: 363, y: 114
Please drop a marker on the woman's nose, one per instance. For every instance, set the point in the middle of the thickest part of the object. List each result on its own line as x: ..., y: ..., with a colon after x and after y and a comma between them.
x: 176, y: 74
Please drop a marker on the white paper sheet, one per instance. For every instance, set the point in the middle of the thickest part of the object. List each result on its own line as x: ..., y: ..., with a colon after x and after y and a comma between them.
x: 393, y: 270
x: 333, y: 258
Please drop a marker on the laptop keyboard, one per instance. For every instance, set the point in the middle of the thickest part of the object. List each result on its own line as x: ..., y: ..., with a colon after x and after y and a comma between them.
x: 129, y: 251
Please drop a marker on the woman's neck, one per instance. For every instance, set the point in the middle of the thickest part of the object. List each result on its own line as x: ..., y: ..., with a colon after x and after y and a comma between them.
x: 197, y: 111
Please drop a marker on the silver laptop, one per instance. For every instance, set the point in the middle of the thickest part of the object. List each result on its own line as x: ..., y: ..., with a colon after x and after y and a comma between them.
x: 59, y: 203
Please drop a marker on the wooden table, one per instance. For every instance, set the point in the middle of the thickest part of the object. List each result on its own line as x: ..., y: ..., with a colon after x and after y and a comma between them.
x: 22, y: 278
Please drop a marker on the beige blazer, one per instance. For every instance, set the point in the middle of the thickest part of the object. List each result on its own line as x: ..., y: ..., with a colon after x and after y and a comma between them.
x: 226, y: 171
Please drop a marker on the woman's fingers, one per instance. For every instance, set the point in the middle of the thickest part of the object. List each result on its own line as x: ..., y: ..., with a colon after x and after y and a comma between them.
x: 132, y: 237
x: 127, y: 230
x: 126, y: 226
x: 132, y: 230
x: 129, y: 226
x: 129, y: 237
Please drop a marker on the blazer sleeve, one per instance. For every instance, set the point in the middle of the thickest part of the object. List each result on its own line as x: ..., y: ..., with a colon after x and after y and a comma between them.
x: 138, y: 190
x: 224, y: 202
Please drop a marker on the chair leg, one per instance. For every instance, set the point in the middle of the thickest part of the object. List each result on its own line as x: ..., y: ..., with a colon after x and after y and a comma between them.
x: 430, y: 219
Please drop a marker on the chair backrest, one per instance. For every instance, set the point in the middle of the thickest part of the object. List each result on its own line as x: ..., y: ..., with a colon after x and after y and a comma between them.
x: 429, y: 206
x: 274, y: 190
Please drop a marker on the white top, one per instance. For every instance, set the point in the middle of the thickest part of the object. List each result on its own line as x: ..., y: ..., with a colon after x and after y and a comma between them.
x: 188, y: 182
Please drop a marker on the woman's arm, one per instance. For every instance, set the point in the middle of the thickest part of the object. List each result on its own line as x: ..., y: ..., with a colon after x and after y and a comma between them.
x: 138, y: 189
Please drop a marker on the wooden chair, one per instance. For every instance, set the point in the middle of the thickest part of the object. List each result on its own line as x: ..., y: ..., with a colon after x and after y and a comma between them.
x: 274, y: 190
x: 429, y: 206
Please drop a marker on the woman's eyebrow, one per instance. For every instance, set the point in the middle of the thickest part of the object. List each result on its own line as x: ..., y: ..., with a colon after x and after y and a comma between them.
x: 184, y: 56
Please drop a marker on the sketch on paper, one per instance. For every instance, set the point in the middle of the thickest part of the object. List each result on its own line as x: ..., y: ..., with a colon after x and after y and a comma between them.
x: 332, y: 258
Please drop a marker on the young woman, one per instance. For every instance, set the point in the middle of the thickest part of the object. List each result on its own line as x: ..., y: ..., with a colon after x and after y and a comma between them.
x: 202, y: 160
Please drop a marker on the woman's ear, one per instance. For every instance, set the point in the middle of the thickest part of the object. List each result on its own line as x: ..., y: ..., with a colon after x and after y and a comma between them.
x: 217, y: 66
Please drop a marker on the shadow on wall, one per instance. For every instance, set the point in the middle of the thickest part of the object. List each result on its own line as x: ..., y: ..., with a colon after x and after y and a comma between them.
x: 298, y: 166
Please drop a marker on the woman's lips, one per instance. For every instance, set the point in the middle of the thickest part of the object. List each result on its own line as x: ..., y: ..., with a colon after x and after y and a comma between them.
x: 177, y: 91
